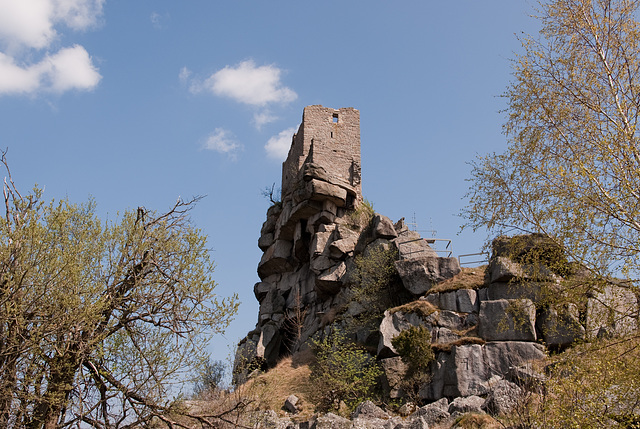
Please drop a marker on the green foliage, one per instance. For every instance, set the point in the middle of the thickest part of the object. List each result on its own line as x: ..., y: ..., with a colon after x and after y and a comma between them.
x: 342, y: 372
x: 590, y: 386
x: 361, y: 216
x: 414, y: 347
x: 571, y: 172
x: 571, y: 168
x: 210, y: 378
x: 99, y: 319
x: 373, y: 288
x: 535, y: 251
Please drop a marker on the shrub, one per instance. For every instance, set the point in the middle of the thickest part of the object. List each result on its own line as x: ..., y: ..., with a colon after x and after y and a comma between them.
x: 414, y: 347
x: 374, y: 277
x: 342, y: 372
x: 361, y: 216
x: 374, y: 286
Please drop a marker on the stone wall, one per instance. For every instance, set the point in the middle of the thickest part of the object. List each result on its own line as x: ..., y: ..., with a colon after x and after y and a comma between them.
x: 329, y: 138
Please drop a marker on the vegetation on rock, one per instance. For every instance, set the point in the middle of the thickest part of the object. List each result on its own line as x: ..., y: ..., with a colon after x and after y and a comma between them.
x: 343, y: 372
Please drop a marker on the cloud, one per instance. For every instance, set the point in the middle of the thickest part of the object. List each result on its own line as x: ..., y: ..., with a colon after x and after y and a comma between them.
x: 184, y: 74
x: 223, y: 141
x: 30, y: 23
x: 159, y: 21
x: 29, y: 26
x: 69, y: 68
x: 263, y: 118
x: 248, y: 84
x: 278, y: 146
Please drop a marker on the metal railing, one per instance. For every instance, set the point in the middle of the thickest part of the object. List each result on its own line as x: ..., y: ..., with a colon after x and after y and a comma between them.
x: 483, y: 260
x: 429, y: 241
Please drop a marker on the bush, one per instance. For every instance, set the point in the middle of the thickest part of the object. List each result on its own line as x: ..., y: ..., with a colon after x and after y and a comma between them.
x: 414, y: 347
x: 342, y: 372
x: 361, y: 216
x: 374, y: 278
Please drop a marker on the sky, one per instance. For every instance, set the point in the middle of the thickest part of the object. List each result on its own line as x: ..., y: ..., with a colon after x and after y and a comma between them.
x: 137, y: 103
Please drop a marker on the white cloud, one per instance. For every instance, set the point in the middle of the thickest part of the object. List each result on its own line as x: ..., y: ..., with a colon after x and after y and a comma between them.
x: 184, y: 74
x: 159, y: 21
x: 78, y: 14
x: 278, y: 146
x: 29, y: 26
x: 223, y: 141
x: 263, y: 118
x: 69, y: 68
x: 15, y: 79
x: 30, y: 23
x: 249, y: 84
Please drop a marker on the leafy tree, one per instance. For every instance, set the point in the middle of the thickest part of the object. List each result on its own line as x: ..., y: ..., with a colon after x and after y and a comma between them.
x: 342, y: 372
x: 210, y: 378
x: 98, y: 319
x: 571, y: 170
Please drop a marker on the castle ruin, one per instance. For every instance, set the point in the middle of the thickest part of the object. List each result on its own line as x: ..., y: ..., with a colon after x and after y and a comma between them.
x: 314, y: 238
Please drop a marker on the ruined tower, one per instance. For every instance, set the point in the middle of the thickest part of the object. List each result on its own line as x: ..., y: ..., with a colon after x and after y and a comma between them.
x: 326, y: 148
x: 310, y: 238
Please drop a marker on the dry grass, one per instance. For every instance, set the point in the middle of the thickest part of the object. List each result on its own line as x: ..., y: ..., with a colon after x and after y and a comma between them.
x: 267, y: 391
x: 289, y: 377
x: 477, y: 421
x: 460, y: 342
x: 468, y: 278
x: 422, y: 308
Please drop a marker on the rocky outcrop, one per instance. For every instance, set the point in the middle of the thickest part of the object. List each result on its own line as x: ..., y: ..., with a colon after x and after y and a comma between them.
x: 311, y: 240
x: 486, y: 336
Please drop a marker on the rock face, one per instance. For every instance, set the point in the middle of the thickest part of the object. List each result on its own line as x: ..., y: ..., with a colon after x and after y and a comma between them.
x: 484, y: 335
x: 311, y: 238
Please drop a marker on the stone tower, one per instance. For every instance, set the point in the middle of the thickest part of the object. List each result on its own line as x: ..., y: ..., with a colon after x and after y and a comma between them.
x: 326, y: 148
x: 310, y: 239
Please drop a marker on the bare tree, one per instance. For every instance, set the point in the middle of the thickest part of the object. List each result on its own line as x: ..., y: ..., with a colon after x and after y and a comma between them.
x: 98, y: 320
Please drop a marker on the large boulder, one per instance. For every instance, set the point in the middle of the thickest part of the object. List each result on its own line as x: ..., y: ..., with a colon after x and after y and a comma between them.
x: 268, y: 347
x: 612, y: 312
x: 421, y: 273
x: 410, y: 245
x: 394, y: 373
x: 368, y: 409
x: 469, y: 404
x: 432, y: 414
x: 321, y: 190
x: 467, y: 372
x: 276, y: 260
x: 383, y: 227
x: 503, y: 398
x: 560, y: 326
x: 507, y: 320
x: 502, y: 357
x: 331, y: 421
x: 331, y: 280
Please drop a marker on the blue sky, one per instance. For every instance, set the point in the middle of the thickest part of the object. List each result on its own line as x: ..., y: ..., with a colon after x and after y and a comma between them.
x: 135, y: 103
